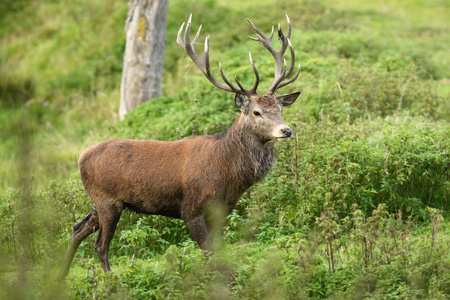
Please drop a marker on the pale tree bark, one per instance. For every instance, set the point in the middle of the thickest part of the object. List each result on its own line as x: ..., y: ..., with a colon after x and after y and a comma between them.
x: 145, y: 30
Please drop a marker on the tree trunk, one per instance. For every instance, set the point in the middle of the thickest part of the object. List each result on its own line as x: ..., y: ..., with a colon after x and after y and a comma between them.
x: 145, y: 30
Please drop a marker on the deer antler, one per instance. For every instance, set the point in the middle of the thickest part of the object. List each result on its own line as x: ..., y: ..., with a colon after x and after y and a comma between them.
x: 203, y: 63
x: 280, y: 63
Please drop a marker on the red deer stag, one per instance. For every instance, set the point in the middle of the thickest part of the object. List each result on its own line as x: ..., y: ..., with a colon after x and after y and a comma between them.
x: 183, y: 179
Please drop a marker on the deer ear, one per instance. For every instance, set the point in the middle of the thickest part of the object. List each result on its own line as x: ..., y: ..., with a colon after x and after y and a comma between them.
x: 240, y: 100
x: 288, y: 99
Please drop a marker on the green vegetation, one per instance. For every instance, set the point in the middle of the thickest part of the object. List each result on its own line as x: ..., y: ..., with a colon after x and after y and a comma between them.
x: 356, y: 208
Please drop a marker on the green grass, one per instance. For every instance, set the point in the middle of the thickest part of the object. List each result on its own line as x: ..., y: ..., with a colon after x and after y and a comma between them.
x: 365, y: 176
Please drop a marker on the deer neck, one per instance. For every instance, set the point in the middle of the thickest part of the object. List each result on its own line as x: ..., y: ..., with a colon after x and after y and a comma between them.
x: 249, y: 159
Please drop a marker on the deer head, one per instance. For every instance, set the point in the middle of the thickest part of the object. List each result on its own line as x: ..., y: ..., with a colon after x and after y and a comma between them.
x: 260, y: 112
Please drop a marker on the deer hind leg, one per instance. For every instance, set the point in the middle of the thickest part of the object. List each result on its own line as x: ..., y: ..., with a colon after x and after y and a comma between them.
x: 80, y: 231
x: 109, y: 216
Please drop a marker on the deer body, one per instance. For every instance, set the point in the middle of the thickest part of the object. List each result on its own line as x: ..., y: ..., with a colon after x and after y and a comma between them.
x: 186, y: 179
x: 174, y: 178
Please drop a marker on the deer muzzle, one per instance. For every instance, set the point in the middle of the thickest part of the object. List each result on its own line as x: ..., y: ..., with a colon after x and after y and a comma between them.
x: 282, y: 132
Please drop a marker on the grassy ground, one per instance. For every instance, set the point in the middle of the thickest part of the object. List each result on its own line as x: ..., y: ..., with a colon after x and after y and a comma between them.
x: 356, y: 208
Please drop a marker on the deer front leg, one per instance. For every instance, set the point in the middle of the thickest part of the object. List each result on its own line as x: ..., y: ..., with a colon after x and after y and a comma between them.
x: 197, y: 228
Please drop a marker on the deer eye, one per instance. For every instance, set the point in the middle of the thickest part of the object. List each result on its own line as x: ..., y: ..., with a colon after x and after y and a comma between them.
x: 257, y: 113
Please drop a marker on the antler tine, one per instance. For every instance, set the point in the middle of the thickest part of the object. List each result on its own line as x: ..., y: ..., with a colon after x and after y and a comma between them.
x: 288, y: 35
x: 179, y: 40
x: 284, y: 83
x: 225, y: 78
x: 187, y: 40
x: 197, y: 35
x: 205, y: 57
x: 239, y: 84
x: 271, y: 34
x: 292, y: 64
x: 255, y: 85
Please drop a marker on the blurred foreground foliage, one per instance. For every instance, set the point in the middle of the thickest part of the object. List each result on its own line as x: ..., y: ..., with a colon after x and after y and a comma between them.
x: 356, y: 207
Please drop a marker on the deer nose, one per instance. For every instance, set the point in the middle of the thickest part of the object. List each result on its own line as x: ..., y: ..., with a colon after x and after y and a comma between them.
x: 287, y: 132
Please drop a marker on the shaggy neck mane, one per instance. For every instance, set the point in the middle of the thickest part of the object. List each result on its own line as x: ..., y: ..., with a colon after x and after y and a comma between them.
x: 248, y: 159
